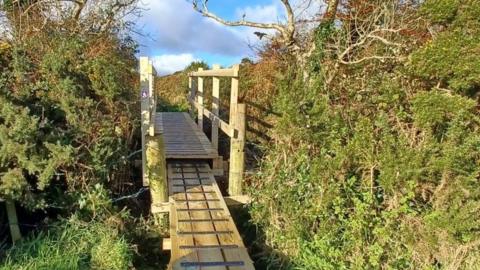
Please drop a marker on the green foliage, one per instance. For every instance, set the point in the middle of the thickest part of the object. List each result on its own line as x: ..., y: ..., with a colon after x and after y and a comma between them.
x: 71, y: 244
x: 68, y: 118
x: 378, y: 168
x: 194, y: 66
x: 432, y: 110
x: 440, y: 11
x: 452, y: 58
x: 66, y: 114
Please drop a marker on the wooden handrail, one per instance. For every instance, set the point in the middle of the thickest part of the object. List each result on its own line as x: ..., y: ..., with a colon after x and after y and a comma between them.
x: 223, y: 125
x: 226, y: 72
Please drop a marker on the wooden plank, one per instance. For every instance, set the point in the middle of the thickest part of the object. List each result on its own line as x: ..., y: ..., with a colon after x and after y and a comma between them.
x: 198, y: 240
x: 183, y: 138
x: 239, y: 254
x: 167, y: 244
x: 226, y: 72
x: 216, y: 241
x: 178, y: 255
x: 204, y: 239
x: 237, y: 200
x: 233, y: 99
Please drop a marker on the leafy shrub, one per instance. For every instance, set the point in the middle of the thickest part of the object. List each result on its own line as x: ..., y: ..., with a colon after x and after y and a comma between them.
x: 452, y: 58
x: 378, y: 167
x: 67, y: 113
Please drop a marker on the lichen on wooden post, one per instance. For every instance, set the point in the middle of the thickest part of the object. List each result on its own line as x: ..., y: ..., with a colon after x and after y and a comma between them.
x: 157, y: 171
x: 146, y: 86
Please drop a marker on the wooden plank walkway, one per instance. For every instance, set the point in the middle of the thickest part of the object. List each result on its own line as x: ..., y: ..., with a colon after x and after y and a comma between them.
x: 202, y: 231
x: 182, y: 137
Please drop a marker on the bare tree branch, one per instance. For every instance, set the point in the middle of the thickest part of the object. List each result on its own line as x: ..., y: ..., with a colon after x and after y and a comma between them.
x: 371, y: 26
x: 287, y: 31
x: 78, y: 11
x: 332, y: 7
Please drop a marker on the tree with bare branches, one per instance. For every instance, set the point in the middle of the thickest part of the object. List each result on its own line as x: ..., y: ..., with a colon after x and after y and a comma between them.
x: 287, y: 32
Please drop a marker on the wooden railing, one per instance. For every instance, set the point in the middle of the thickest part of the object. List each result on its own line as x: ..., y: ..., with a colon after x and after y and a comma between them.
x: 235, y: 128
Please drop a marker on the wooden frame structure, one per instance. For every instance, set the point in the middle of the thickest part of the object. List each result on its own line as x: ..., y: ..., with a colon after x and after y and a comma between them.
x: 235, y: 128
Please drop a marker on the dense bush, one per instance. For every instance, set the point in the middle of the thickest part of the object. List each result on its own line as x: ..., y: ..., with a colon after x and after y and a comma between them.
x: 67, y: 107
x: 378, y: 166
x: 68, y: 119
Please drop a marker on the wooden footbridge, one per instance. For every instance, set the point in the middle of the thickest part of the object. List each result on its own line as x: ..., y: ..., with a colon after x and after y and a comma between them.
x: 179, y: 165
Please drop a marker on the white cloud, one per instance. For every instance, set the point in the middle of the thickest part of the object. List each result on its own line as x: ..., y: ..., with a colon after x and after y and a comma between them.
x: 5, y: 28
x: 271, y: 13
x: 260, y: 13
x: 170, y: 63
x: 175, y: 27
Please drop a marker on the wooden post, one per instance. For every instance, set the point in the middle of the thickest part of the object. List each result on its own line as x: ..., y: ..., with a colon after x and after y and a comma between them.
x: 234, y: 95
x: 200, y: 101
x: 237, y: 143
x: 152, y: 99
x: 157, y: 170
x: 215, y: 108
x: 192, y: 96
x: 237, y: 154
x: 145, y: 76
x: 13, y: 221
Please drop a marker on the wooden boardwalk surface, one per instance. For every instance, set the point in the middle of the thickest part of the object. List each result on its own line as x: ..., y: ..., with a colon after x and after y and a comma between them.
x: 182, y: 137
x: 202, y: 231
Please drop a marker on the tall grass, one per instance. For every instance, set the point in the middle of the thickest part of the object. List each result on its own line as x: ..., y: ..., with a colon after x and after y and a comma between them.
x: 72, y: 244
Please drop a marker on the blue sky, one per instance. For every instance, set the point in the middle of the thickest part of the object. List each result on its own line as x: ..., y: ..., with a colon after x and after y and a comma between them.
x: 175, y: 35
